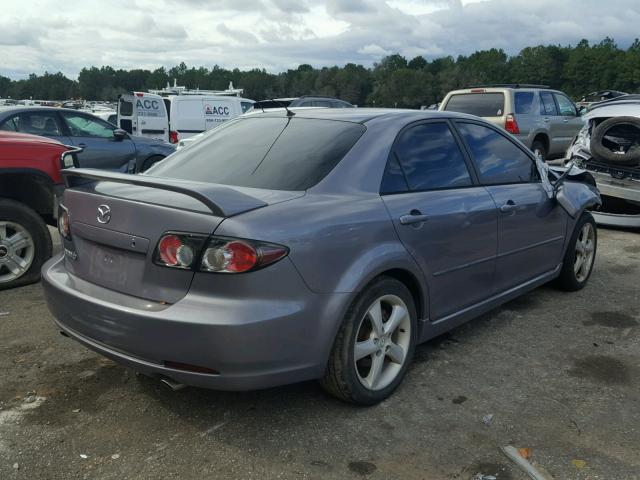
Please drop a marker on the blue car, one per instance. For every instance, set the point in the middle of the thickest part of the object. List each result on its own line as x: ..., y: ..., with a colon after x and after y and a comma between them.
x: 104, y: 145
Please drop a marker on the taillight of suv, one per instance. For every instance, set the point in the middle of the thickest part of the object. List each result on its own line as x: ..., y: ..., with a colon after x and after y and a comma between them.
x: 510, y: 124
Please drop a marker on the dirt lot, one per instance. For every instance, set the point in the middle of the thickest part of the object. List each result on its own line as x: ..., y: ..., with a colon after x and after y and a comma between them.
x: 560, y: 373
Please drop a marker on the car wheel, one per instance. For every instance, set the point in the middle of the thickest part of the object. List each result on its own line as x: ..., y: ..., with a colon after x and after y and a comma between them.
x: 580, y: 255
x: 374, y: 345
x: 151, y: 161
x: 25, y: 244
x: 539, y: 150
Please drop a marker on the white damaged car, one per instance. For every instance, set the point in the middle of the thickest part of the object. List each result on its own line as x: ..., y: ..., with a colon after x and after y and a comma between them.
x: 608, y: 146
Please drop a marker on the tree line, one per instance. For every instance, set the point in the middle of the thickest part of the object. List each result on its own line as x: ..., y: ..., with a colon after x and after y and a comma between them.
x: 395, y: 81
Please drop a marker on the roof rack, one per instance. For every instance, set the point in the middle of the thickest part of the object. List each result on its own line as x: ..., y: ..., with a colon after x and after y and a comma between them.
x: 511, y: 85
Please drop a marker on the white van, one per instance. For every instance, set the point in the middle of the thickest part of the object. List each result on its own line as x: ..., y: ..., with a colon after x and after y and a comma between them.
x: 176, y: 117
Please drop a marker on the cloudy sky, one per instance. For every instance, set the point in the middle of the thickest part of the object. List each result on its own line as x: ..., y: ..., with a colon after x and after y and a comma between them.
x: 54, y: 35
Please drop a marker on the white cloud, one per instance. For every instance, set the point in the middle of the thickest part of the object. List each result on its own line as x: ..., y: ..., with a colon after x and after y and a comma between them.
x: 280, y: 34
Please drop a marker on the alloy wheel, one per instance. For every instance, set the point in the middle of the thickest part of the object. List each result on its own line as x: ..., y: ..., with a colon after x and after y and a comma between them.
x: 17, y: 251
x: 382, y: 342
x: 585, y: 248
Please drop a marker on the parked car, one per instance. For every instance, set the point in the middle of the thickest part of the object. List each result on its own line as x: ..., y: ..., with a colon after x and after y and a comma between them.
x: 321, y: 245
x: 104, y: 145
x: 304, y: 101
x: 30, y: 184
x: 595, y: 97
x: 608, y: 146
x: 544, y: 120
x: 176, y: 117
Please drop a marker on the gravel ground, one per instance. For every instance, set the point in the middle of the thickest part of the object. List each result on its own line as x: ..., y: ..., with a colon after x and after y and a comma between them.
x: 559, y: 373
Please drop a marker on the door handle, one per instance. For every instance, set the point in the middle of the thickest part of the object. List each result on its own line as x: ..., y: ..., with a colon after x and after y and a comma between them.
x: 547, y: 119
x: 415, y: 216
x: 508, y: 207
x: 566, y: 120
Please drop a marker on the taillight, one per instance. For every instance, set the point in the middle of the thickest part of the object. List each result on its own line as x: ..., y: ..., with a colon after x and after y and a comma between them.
x: 510, y: 124
x: 173, y: 136
x: 178, y: 250
x: 218, y: 255
x: 64, y: 223
x: 232, y: 255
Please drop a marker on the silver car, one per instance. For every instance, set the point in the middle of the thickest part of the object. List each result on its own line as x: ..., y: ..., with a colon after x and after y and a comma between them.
x: 544, y: 120
x: 312, y: 244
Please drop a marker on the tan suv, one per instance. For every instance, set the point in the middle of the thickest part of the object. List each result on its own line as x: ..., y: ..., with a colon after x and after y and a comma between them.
x: 544, y: 120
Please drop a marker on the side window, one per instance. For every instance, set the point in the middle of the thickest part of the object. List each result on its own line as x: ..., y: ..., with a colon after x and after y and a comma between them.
x: 499, y: 161
x: 393, y: 180
x: 246, y: 106
x: 566, y: 106
x: 547, y: 105
x: 524, y: 102
x: 37, y: 123
x: 10, y: 125
x: 83, y: 126
x: 431, y: 158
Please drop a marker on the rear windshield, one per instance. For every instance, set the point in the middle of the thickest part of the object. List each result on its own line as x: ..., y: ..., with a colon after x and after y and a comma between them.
x: 273, y: 153
x: 479, y: 104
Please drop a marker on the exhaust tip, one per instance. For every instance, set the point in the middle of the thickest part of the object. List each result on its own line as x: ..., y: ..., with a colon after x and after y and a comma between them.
x: 174, y: 386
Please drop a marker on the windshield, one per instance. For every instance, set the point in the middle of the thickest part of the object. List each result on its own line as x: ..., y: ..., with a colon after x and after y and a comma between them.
x: 275, y: 153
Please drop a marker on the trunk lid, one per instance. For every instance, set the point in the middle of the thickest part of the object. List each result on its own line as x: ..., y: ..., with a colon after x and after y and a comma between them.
x: 115, y: 228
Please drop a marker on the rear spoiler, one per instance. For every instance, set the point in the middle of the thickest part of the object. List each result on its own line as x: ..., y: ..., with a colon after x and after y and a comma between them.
x: 223, y: 201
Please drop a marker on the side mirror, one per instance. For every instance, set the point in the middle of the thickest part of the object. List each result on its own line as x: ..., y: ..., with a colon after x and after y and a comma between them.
x: 69, y: 159
x: 119, y: 134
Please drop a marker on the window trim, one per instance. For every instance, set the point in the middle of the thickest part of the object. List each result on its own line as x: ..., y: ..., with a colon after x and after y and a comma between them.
x: 457, y: 139
x: 513, y: 141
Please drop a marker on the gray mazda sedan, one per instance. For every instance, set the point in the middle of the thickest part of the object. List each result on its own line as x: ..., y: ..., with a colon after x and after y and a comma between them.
x: 312, y: 244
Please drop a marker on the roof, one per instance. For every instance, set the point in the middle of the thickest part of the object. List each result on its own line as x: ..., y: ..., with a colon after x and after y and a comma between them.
x: 621, y: 100
x: 359, y: 115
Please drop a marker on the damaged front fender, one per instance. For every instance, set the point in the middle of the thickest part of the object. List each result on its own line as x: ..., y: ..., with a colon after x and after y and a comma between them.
x: 575, y: 197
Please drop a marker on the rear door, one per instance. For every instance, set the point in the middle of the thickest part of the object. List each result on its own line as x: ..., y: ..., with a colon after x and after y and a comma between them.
x: 445, y: 220
x: 187, y: 115
x: 46, y: 123
x: 100, y: 148
x: 143, y: 114
x: 570, y: 123
x: 479, y: 102
x: 553, y: 122
x: 531, y: 226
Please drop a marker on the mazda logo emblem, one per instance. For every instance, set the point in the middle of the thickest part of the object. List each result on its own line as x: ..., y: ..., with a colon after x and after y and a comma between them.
x: 104, y: 213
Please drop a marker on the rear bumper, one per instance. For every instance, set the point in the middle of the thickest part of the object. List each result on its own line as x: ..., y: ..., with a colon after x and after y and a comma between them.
x: 252, y: 342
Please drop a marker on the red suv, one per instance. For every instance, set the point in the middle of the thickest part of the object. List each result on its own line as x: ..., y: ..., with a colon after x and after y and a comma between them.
x: 30, y: 184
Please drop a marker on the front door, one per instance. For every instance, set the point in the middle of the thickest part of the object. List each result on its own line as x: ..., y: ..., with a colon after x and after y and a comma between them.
x: 531, y: 226
x: 446, y: 221
x: 100, y: 148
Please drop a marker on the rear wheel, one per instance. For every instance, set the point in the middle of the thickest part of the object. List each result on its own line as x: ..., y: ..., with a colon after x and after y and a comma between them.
x: 25, y: 244
x: 151, y: 161
x: 374, y: 345
x: 580, y: 255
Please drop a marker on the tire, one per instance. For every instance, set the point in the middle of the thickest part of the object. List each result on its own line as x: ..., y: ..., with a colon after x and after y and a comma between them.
x: 570, y: 280
x: 538, y: 146
x: 604, y: 144
x: 355, y: 381
x: 16, y: 218
x: 151, y: 161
